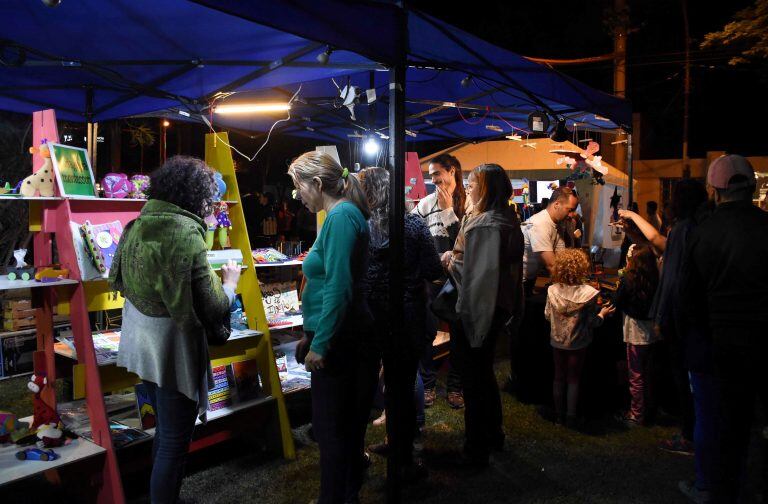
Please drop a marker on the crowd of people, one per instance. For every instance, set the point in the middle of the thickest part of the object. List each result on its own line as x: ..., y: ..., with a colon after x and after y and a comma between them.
x: 470, y: 267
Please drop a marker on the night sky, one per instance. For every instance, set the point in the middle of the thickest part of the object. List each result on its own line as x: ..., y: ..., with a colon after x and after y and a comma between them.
x: 727, y: 104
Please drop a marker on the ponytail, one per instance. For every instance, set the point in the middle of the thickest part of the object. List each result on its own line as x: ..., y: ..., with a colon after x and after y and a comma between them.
x: 337, y: 181
x: 353, y: 191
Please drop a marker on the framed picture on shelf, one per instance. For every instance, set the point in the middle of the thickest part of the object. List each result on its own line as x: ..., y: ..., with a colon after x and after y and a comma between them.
x: 74, y: 174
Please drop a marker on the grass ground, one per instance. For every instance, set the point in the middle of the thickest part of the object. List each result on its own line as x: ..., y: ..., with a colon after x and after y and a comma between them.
x: 541, y: 463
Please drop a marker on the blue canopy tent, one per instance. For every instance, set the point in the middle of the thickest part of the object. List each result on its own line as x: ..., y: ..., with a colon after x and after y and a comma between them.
x: 95, y: 61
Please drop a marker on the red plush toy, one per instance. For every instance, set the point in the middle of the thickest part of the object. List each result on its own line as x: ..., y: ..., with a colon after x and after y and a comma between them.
x: 45, y: 420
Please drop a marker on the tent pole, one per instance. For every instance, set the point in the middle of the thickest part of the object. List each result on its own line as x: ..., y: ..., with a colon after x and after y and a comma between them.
x: 397, y: 385
x: 630, y: 170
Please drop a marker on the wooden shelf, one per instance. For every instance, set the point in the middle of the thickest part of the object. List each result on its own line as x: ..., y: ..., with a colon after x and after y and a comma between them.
x: 6, y: 284
x: 24, y: 332
x: 12, y: 469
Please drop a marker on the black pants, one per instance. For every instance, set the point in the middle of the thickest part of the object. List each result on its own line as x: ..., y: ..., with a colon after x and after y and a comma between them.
x: 401, y: 426
x: 676, y: 357
x: 741, y: 370
x: 427, y: 366
x: 482, y: 403
x: 342, y: 394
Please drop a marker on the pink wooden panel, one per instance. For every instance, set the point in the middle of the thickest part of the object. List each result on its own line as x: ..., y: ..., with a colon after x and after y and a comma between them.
x: 43, y: 128
x: 413, y: 172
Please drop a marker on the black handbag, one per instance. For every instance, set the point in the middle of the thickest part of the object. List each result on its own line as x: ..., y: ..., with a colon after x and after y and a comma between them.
x: 444, y: 304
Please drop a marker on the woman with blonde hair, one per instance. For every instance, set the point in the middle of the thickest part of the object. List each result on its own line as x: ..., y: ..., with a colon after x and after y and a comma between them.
x: 337, y: 323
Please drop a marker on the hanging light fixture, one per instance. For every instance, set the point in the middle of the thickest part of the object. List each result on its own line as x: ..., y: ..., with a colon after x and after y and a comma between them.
x: 466, y: 81
x: 371, y: 147
x: 251, y: 108
x: 560, y: 132
x: 324, y: 56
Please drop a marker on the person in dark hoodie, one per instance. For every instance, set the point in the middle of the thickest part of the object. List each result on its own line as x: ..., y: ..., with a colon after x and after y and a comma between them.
x: 490, y: 293
x: 573, y: 312
x: 724, y: 284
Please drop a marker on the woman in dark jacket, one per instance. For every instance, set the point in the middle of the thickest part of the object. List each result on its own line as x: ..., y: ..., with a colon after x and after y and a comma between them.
x: 422, y: 265
x: 172, y: 299
x: 489, y: 279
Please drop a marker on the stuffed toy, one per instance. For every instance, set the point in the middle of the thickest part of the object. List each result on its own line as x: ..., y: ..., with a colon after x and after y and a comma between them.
x: 140, y: 186
x: 221, y: 185
x: 117, y: 185
x: 218, y: 220
x: 45, y: 422
x: 42, y: 180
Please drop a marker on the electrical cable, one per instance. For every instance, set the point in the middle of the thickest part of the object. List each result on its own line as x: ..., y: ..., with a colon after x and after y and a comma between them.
x: 269, y: 134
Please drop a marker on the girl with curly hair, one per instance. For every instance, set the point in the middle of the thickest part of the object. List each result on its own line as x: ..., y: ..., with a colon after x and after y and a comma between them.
x: 573, y: 313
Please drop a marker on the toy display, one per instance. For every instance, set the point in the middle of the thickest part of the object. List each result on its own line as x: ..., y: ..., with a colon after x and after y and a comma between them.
x: 51, y: 274
x: 37, y: 454
x: 117, y: 185
x: 22, y: 271
x: 46, y: 422
x: 40, y: 182
x: 219, y: 220
x: 6, y: 188
x: 140, y: 186
x: 268, y: 256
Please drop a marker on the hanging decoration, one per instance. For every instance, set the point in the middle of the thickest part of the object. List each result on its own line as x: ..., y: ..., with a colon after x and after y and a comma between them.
x: 582, y: 162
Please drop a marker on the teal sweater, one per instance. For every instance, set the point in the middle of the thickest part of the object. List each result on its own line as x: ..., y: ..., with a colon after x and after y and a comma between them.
x: 334, y: 269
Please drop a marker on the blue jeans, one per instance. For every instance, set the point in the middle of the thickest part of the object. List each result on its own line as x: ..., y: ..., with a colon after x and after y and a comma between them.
x: 706, y: 401
x: 175, y: 417
x: 419, y: 400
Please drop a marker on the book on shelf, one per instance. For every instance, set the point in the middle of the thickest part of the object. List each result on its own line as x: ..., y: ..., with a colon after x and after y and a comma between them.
x: 105, y: 344
x: 246, y: 378
x: 100, y: 242
x: 122, y: 435
x: 146, y: 407
x: 16, y: 354
x: 220, y: 396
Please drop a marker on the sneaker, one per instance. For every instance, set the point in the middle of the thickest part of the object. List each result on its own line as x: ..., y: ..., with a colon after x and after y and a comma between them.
x: 677, y: 444
x: 382, y: 420
x: 456, y: 400
x: 429, y: 397
x: 379, y: 448
x: 694, y: 494
x: 628, y: 420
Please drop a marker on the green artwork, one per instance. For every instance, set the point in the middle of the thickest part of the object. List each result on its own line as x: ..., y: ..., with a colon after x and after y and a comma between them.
x: 73, y: 170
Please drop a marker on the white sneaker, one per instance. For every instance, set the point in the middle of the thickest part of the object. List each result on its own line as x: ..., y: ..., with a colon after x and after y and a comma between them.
x: 694, y: 494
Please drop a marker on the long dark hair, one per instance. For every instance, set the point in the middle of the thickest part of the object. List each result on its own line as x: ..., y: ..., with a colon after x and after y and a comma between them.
x: 459, y: 194
x: 642, y: 273
x: 375, y: 182
x: 495, y: 188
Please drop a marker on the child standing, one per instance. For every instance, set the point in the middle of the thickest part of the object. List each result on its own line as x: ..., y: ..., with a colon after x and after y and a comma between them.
x: 634, y: 298
x: 573, y: 313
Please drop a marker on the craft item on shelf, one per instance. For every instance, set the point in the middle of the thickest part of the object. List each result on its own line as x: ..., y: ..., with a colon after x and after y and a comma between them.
x: 21, y: 271
x: 122, y: 434
x: 42, y: 180
x: 51, y: 274
x: 218, y: 258
x: 6, y: 189
x: 268, y: 256
x: 46, y: 422
x: 8, y: 424
x: 210, y: 230
x: 221, y: 185
x: 140, y: 186
x: 146, y: 408
x: 117, y: 185
x: 224, y: 224
x: 37, y: 454
x: 101, y: 243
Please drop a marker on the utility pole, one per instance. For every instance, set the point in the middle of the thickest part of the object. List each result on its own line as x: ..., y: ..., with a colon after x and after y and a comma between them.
x: 687, y: 91
x: 620, y: 71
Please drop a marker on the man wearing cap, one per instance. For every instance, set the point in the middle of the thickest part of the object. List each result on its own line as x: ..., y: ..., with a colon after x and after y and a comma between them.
x: 726, y: 283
